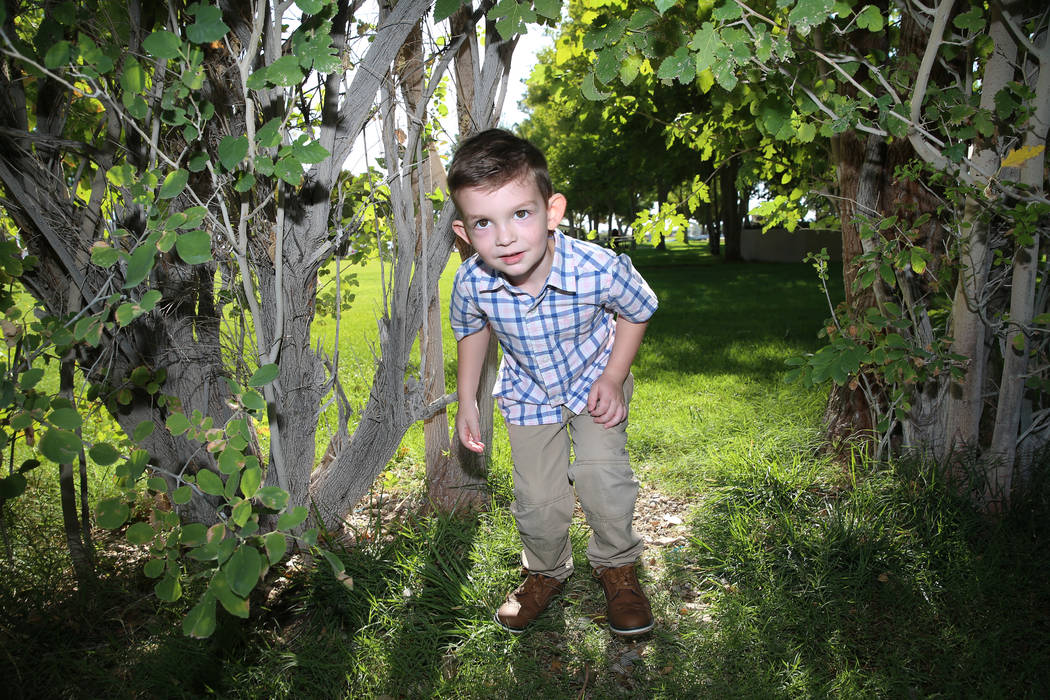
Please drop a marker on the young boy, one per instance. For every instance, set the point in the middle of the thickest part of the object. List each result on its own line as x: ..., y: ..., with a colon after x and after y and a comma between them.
x: 569, y: 316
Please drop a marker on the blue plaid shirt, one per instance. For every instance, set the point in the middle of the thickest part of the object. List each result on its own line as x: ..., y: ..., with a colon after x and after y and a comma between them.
x: 557, y: 344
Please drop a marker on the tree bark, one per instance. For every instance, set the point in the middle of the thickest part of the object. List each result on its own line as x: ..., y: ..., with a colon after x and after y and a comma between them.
x: 731, y: 220
x: 1003, y: 450
x: 965, y: 401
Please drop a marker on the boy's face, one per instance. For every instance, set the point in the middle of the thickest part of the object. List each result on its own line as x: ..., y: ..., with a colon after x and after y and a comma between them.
x: 508, y: 227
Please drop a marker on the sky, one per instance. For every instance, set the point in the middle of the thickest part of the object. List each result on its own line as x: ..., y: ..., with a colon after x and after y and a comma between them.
x: 521, y: 65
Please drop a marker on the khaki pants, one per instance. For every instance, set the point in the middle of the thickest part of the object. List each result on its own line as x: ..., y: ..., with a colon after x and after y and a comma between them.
x: 544, y: 499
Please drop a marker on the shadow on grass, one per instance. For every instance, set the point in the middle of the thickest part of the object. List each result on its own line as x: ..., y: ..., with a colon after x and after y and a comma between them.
x: 887, y: 586
x: 706, y: 323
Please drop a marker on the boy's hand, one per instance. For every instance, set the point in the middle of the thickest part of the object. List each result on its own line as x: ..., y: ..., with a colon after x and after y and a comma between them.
x: 468, y: 426
x: 606, y: 402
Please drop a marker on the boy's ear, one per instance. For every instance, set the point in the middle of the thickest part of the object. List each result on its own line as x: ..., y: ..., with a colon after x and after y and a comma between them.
x: 461, y: 231
x: 555, y: 210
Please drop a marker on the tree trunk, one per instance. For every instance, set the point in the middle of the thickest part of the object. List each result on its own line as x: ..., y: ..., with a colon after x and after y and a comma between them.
x: 80, y: 552
x: 965, y: 401
x: 731, y: 219
x: 1003, y: 450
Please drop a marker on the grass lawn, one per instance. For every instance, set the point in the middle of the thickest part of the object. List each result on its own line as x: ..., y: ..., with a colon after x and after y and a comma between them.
x: 792, y: 576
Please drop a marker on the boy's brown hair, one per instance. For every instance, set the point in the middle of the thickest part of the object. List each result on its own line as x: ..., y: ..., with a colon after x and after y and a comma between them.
x: 492, y: 158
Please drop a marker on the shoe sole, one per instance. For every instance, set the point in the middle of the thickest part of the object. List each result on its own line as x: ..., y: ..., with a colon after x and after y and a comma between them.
x: 495, y: 618
x: 634, y: 632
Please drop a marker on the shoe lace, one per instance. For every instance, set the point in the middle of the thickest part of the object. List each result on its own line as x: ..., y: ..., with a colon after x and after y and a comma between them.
x: 534, y: 584
x: 621, y: 580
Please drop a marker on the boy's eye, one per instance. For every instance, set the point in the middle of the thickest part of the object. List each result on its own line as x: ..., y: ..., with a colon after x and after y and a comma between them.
x: 481, y: 223
x: 521, y: 213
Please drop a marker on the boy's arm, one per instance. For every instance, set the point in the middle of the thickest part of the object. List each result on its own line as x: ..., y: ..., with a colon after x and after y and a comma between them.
x: 605, y: 401
x: 471, y: 351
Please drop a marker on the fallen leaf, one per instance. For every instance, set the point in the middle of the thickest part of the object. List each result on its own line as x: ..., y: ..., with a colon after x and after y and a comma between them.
x: 884, y: 577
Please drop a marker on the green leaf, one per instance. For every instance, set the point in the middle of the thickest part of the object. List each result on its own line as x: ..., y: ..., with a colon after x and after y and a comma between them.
x: 337, y: 565
x: 443, y: 9
x: 163, y: 44
x: 285, y: 71
x: 174, y: 184
x: 310, y: 7
x: 177, y: 423
x: 60, y: 446
x: 629, y: 68
x: 57, y: 55
x: 680, y: 66
x: 194, y: 247
x: 199, y: 622
x: 110, y: 513
x: 149, y: 300
x: 139, y: 265
x: 591, y: 92
x: 251, y: 478
x: 253, y: 400
x: 705, y: 42
x: 511, y: 17
x: 182, y: 495
x: 67, y: 418
x: 307, y: 151
x: 241, y: 512
x: 972, y: 20
x: 727, y: 12
x: 809, y: 13
x: 104, y: 255
x: 234, y: 604
x: 264, y: 375
x: 663, y: 6
x: 104, y: 454
x: 551, y: 9
x: 157, y: 484
x: 143, y: 430
x: 269, y: 134
x: 918, y: 260
x: 133, y: 79
x: 209, y: 482
x: 209, y: 26
x: 290, y: 170
x: 276, y: 544
x: 13, y: 486
x: 871, y: 19
x: 242, y: 569
x: 193, y: 534
x: 273, y: 497
x: 154, y: 568
x: 245, y: 182
x: 140, y: 533
x: 168, y: 588
x: 230, y: 461
x: 725, y: 75
x: 30, y: 378
x: 232, y: 150
x: 295, y: 516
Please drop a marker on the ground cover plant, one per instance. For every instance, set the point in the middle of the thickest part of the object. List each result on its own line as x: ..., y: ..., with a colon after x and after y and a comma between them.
x: 777, y: 569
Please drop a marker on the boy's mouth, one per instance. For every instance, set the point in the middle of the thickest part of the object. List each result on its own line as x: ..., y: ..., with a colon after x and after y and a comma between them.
x: 512, y: 258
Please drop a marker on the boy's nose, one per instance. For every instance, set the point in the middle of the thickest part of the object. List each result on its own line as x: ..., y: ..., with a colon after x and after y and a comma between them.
x: 504, y: 235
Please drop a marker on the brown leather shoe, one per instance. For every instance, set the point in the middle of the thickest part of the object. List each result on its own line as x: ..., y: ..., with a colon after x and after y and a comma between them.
x: 627, y: 608
x: 525, y: 603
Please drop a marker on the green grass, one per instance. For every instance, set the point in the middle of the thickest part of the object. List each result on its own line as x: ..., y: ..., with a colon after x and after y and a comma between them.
x: 800, y: 577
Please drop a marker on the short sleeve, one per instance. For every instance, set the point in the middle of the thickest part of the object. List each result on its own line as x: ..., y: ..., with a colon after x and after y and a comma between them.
x: 627, y: 293
x: 464, y: 315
